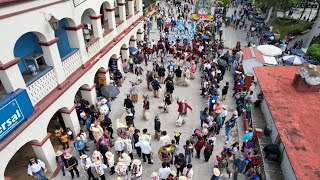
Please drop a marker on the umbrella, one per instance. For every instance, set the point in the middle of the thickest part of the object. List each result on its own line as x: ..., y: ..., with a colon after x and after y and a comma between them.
x: 269, y: 50
x: 295, y: 60
x: 132, y: 49
x: 110, y: 91
x: 205, y: 37
x: 222, y: 62
x: 297, y: 52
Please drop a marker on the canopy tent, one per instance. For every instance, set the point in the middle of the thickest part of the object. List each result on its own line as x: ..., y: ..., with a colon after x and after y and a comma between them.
x: 269, y: 60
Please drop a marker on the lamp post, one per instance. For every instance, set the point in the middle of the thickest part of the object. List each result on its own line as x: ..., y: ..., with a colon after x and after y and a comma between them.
x: 54, y: 23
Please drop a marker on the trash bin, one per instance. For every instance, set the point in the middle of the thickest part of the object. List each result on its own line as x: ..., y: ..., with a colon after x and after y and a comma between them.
x: 33, y: 69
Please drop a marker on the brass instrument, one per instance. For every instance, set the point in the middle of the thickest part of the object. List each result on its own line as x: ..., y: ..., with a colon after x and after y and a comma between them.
x: 165, y: 152
x: 71, y: 167
x: 98, y: 174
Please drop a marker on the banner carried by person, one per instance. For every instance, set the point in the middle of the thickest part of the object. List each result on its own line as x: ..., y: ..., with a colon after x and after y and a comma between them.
x: 205, y: 17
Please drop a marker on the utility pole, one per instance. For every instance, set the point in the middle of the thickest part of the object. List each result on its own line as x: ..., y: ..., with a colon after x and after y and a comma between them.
x: 315, y: 31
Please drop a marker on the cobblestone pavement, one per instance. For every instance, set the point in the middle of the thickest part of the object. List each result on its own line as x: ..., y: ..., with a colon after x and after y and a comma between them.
x: 202, y: 170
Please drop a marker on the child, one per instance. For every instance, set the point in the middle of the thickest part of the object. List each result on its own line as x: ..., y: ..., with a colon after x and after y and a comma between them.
x: 177, y: 135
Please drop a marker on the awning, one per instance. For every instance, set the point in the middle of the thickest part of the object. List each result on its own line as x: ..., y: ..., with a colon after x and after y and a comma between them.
x: 270, y: 60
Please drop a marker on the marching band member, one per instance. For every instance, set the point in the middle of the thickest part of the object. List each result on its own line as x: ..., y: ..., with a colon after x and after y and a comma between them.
x: 110, y: 158
x: 100, y: 167
x: 136, y: 170
x: 86, y: 165
x: 71, y: 164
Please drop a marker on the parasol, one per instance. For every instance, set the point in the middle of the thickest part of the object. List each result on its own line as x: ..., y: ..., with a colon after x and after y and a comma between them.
x: 269, y: 50
x: 295, y: 60
x: 222, y: 62
x: 110, y: 91
x: 132, y: 49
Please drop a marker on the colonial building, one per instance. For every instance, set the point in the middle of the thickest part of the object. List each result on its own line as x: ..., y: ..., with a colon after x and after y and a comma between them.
x: 51, y: 50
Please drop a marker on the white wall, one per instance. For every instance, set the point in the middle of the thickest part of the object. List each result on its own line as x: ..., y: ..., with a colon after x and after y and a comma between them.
x: 269, y: 120
x: 286, y: 168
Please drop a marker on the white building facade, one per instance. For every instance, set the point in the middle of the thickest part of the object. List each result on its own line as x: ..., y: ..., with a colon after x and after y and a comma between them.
x: 52, y: 65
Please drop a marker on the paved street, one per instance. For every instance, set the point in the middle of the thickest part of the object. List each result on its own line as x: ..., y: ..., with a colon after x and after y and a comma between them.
x: 202, y: 170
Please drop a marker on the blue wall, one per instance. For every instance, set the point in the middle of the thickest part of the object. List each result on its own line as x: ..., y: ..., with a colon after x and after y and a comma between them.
x: 63, y: 43
x: 25, y: 45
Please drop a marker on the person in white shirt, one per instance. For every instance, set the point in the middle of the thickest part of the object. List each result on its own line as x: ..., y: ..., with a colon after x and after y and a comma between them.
x: 86, y: 165
x: 224, y: 113
x: 188, y: 172
x: 145, y: 149
x: 154, y: 176
x: 121, y: 169
x: 100, y: 167
x: 126, y: 159
x: 164, y: 139
x: 129, y: 147
x: 37, y: 168
x: 164, y: 172
x: 119, y: 146
x: 110, y: 158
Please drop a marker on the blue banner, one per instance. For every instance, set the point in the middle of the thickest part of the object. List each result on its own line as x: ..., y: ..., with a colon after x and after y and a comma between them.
x: 14, y: 109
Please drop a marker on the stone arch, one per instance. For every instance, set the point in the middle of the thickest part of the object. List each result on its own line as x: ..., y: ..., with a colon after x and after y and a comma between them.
x: 14, y: 169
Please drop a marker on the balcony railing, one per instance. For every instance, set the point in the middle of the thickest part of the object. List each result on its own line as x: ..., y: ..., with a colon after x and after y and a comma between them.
x: 72, y: 63
x: 42, y: 86
x: 78, y: 2
x: 93, y: 47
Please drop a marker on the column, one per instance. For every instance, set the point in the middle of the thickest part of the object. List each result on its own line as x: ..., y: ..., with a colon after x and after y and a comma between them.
x: 71, y: 120
x: 108, y: 77
x: 52, y: 57
x: 11, y: 76
x: 97, y: 28
x: 133, y: 43
x: 140, y: 36
x: 125, y: 54
x: 45, y: 152
x: 76, y: 40
x: 89, y: 94
x: 122, y: 11
x: 131, y: 7
x: 139, y: 5
x: 111, y: 18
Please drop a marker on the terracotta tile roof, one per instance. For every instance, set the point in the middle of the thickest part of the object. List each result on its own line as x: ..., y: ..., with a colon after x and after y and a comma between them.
x: 296, y: 116
x: 247, y: 54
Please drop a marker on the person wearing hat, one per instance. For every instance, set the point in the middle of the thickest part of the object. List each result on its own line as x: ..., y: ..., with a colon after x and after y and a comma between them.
x: 99, y: 168
x: 146, y: 107
x: 136, y: 169
x: 154, y: 176
x: 126, y: 159
x: 224, y: 113
x: 121, y: 169
x: 188, y: 172
x: 145, y: 149
x: 129, y: 147
x: 37, y: 169
x: 183, y: 107
x: 60, y: 161
x: 71, y: 164
x: 119, y: 146
x: 96, y: 130
x: 86, y: 165
x: 110, y: 161
x: 216, y: 174
x: 172, y: 176
x: 156, y: 86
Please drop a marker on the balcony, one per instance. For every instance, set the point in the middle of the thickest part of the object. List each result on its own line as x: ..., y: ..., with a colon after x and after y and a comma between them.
x: 71, y: 63
x: 78, y: 2
x: 42, y: 85
x: 92, y: 47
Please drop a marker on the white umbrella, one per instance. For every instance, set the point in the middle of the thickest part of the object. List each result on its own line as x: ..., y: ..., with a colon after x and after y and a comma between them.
x: 269, y: 50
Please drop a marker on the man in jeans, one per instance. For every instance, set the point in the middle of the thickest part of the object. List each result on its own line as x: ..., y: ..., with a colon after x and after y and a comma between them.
x: 145, y: 149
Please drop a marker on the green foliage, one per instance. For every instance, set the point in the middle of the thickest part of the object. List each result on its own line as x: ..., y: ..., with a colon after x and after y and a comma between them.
x: 314, y: 51
x: 290, y: 27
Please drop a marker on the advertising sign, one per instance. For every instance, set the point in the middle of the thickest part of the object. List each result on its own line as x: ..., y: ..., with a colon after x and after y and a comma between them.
x: 102, y: 78
x: 14, y: 109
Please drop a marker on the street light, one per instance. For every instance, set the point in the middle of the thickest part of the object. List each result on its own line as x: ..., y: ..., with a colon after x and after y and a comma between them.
x: 54, y: 23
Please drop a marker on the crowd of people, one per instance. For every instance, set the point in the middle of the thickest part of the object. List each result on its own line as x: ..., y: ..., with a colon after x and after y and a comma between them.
x: 185, y: 48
